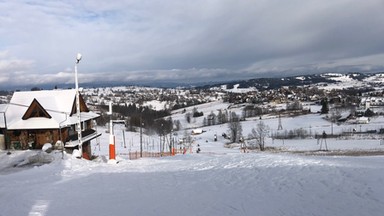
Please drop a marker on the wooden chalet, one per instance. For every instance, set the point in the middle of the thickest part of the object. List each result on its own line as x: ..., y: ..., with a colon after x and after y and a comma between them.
x: 33, y: 118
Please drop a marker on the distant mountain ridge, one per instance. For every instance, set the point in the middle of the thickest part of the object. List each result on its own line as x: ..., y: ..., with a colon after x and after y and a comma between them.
x: 277, y: 82
x: 258, y: 83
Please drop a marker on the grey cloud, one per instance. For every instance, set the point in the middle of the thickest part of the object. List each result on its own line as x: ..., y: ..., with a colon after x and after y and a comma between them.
x: 191, y: 40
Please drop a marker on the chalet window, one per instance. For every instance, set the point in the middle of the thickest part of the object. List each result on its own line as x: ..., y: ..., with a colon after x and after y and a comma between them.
x: 35, y: 110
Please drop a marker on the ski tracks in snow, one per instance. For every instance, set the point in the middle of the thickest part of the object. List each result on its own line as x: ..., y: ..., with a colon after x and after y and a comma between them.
x: 201, y: 184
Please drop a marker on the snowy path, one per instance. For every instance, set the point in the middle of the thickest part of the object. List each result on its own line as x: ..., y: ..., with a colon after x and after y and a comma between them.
x: 199, y: 184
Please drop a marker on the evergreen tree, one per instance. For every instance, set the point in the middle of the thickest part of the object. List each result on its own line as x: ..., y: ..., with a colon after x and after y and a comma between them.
x: 324, y: 106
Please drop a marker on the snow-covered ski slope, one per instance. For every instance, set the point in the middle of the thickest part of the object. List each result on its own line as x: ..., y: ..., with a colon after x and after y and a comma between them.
x: 217, y: 181
x: 198, y: 184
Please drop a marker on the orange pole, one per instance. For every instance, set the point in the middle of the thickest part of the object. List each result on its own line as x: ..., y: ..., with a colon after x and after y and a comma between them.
x: 112, y: 151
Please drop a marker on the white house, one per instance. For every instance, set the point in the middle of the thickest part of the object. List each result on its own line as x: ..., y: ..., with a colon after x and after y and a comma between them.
x: 33, y: 118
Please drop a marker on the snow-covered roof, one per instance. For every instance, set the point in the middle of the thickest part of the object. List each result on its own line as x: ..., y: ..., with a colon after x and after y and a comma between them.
x: 58, y: 104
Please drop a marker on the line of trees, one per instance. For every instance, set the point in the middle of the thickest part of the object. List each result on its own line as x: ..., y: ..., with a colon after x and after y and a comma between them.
x: 137, y: 116
x: 221, y: 117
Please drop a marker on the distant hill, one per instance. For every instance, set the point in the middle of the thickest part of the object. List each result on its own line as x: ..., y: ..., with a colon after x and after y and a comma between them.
x: 259, y: 83
x: 274, y: 83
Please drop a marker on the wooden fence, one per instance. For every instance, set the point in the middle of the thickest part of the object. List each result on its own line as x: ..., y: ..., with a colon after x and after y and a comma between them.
x: 136, y: 154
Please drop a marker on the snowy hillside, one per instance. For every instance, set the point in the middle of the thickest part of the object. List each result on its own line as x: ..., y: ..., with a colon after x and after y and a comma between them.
x: 217, y: 181
x: 293, y: 177
x: 197, y: 184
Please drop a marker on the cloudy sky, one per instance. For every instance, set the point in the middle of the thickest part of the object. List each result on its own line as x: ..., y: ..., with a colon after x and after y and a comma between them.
x: 186, y: 40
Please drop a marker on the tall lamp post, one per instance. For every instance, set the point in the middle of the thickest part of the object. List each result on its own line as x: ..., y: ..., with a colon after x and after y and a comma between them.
x: 141, y: 136
x: 78, y: 58
x: 141, y: 133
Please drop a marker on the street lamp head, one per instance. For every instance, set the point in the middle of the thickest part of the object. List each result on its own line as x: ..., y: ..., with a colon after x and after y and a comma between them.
x: 78, y: 58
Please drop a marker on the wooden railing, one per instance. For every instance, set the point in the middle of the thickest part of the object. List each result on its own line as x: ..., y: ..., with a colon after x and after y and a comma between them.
x: 136, y: 154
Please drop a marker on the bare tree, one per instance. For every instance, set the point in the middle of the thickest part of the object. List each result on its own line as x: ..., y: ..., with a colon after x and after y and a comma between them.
x: 187, y: 140
x: 222, y: 117
x: 211, y: 119
x: 188, y: 117
x: 295, y: 105
x: 177, y: 125
x: 259, y: 133
x: 235, y: 129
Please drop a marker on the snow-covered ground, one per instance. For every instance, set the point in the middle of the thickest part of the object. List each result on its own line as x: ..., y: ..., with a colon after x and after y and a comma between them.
x: 344, y: 81
x: 217, y: 181
x: 197, y: 184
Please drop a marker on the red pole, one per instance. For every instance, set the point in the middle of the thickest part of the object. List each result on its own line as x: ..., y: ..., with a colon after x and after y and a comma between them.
x: 112, y: 151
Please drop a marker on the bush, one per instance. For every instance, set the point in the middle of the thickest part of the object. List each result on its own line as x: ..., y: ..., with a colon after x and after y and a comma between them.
x: 197, y: 114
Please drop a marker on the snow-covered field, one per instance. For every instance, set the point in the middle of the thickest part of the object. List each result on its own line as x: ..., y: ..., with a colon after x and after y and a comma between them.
x: 218, y: 181
x: 197, y: 184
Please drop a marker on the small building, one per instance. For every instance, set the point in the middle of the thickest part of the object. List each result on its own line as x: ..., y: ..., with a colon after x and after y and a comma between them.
x: 362, y: 120
x: 197, y: 131
x: 33, y: 118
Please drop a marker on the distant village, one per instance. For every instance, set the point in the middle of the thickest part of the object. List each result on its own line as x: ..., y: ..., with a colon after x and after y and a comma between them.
x: 361, y: 98
x: 344, y: 99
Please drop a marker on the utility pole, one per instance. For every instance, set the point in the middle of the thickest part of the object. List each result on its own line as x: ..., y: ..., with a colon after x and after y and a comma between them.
x: 125, y: 146
x: 141, y: 136
x: 280, y: 126
x: 79, y: 138
x: 171, y: 147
